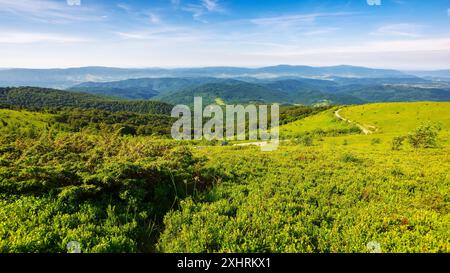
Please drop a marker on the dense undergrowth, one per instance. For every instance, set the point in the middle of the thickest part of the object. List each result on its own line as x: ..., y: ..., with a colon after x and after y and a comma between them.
x: 74, y: 175
x: 105, y: 191
x: 304, y: 199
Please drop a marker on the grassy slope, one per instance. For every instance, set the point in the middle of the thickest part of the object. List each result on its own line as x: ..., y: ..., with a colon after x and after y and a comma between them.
x: 336, y: 196
x: 20, y: 119
x: 329, y: 197
x: 395, y: 119
x: 324, y: 120
x: 399, y: 118
x: 310, y: 199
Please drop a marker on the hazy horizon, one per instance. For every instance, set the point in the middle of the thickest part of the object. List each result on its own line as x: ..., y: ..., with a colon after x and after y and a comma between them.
x: 218, y: 66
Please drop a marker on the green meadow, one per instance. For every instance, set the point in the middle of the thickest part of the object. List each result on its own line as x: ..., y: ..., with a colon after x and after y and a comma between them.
x: 12, y: 118
x: 324, y: 120
x: 328, y: 187
x: 336, y: 194
x: 397, y: 118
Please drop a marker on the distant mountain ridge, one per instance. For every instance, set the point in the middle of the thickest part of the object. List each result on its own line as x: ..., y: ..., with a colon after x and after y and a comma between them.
x: 437, y: 74
x: 339, y: 90
x: 285, y: 84
x: 64, y: 78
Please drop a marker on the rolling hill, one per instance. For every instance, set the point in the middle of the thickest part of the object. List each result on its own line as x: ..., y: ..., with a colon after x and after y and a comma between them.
x: 283, y: 84
x: 325, y: 122
x: 288, y: 90
x: 437, y: 74
x: 38, y: 98
x: 235, y: 91
x: 388, y: 118
x: 230, y: 91
x: 400, y: 118
x: 396, y: 93
x: 144, y: 88
x: 306, y: 91
x: 352, y: 188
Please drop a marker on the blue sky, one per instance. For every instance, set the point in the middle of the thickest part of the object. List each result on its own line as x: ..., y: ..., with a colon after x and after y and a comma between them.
x: 401, y: 34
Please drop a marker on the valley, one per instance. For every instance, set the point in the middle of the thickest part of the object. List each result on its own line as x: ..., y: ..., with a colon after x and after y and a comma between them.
x: 284, y: 84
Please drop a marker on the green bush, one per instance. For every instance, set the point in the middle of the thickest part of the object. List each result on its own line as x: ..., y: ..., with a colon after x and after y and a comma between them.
x: 397, y: 143
x: 375, y: 141
x: 350, y: 158
x: 425, y: 136
x: 306, y: 140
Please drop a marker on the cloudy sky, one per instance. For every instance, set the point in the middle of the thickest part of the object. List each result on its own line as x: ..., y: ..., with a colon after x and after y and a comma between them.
x: 401, y: 34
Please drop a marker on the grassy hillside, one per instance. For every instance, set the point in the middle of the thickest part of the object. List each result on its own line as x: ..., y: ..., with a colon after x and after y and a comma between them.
x: 321, y: 123
x: 398, y: 118
x: 314, y: 199
x: 23, y: 118
x: 337, y: 192
x: 26, y: 123
x: 23, y: 122
x: 384, y: 120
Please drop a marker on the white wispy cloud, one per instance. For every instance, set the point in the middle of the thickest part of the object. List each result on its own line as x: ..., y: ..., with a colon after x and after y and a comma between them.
x: 436, y: 44
x: 405, y: 30
x: 151, y: 16
x: 285, y: 20
x: 124, y: 7
x: 46, y: 10
x: 296, y: 19
x: 211, y: 5
x: 205, y: 7
x: 400, y: 54
x: 162, y: 33
x: 319, y: 31
x: 154, y: 18
x: 374, y: 47
x: 132, y: 35
x: 33, y: 37
x: 197, y: 11
x: 73, y: 2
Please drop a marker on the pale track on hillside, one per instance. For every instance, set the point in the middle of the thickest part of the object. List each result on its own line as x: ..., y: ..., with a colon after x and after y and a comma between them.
x: 365, y: 130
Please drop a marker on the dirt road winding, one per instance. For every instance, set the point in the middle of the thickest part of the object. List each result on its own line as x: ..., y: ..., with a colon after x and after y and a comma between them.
x: 365, y: 130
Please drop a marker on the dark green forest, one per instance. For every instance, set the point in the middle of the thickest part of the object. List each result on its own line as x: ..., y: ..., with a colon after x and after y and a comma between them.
x: 40, y: 98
